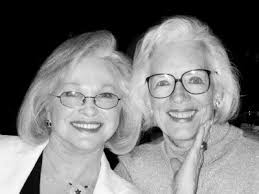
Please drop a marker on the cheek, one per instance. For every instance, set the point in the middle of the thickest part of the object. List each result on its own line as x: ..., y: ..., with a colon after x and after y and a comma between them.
x: 116, y: 119
x: 158, y: 107
x: 157, y: 104
x: 113, y: 119
x: 206, y: 107
x: 206, y: 113
x: 59, y: 116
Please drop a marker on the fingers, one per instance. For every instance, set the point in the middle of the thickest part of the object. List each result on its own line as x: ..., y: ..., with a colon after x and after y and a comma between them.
x: 202, y: 135
x: 188, y: 175
x: 195, y: 155
x: 207, y: 127
x: 206, y: 114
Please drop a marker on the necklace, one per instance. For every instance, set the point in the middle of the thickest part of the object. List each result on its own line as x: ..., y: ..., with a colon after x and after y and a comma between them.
x: 77, y: 188
x: 71, y: 187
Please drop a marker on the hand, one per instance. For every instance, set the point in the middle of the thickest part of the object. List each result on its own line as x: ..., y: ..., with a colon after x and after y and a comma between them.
x: 186, y: 180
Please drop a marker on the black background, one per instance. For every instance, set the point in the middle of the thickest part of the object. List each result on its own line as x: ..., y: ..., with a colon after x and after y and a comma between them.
x: 29, y: 33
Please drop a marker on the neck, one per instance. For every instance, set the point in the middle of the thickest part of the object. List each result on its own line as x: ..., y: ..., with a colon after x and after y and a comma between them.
x: 183, y: 144
x: 177, y: 148
x: 68, y: 162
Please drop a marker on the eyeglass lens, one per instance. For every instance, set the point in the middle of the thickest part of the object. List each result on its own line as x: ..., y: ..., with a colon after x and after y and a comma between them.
x: 194, y: 82
x: 77, y: 99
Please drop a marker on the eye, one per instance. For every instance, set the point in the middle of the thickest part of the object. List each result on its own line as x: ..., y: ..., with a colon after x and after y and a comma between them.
x: 70, y: 94
x: 162, y: 83
x: 196, y: 80
x: 106, y: 95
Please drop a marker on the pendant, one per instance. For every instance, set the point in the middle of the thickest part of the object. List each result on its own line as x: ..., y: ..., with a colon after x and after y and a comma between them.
x: 77, y: 189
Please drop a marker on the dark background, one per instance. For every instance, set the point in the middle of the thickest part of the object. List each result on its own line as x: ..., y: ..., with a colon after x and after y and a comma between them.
x: 29, y: 33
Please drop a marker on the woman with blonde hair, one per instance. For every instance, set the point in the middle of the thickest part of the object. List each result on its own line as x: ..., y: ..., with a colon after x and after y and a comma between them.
x: 76, y: 106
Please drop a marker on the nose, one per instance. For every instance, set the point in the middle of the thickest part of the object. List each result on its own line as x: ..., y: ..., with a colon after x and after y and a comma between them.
x: 179, y: 94
x: 89, y: 109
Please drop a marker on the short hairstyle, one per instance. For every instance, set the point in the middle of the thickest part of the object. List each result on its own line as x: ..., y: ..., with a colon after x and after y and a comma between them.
x: 177, y: 29
x: 31, y: 122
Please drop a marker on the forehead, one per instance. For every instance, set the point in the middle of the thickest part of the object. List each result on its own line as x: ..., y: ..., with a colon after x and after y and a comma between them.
x: 92, y: 72
x: 178, y: 57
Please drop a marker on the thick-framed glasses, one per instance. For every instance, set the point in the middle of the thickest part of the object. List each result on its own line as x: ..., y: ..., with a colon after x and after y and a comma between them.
x: 195, y: 81
x: 73, y: 99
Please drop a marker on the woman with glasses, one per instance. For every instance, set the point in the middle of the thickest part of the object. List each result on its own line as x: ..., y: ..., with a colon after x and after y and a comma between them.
x: 76, y: 106
x: 184, y: 83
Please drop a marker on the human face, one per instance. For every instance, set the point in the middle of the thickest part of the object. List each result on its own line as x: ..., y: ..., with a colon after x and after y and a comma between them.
x: 87, y: 127
x: 180, y: 115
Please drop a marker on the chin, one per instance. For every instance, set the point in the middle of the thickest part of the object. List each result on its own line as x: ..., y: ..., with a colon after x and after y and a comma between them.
x: 86, y: 145
x: 182, y: 138
x: 182, y: 135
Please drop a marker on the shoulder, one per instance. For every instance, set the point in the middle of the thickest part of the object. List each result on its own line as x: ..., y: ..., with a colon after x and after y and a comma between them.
x: 248, y: 151
x: 246, y: 148
x: 143, y: 159
x: 145, y: 165
x: 241, y: 154
x: 7, y: 141
x: 8, y: 138
x: 17, y: 158
x: 142, y: 153
x: 237, y: 168
x: 12, y: 145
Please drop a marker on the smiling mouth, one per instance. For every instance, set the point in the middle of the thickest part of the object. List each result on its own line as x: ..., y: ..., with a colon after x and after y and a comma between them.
x: 182, y: 115
x: 86, y: 126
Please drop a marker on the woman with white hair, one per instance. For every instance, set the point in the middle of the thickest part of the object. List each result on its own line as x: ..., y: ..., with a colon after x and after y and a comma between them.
x: 183, y: 78
x: 76, y: 106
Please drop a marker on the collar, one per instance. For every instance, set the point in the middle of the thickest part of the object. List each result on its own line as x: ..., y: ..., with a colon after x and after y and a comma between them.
x: 220, y: 135
x: 18, y: 159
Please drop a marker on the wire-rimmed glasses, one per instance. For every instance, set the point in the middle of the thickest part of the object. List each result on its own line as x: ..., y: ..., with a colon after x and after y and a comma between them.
x: 73, y: 99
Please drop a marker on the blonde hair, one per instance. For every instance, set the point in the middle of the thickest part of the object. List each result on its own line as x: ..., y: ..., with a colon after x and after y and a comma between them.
x: 177, y: 29
x: 31, y: 121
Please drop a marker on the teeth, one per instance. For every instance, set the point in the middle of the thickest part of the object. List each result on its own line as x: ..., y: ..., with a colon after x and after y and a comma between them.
x: 86, y: 126
x: 182, y: 115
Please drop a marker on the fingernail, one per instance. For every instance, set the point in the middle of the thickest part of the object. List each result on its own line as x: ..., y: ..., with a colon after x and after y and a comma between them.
x: 211, y: 122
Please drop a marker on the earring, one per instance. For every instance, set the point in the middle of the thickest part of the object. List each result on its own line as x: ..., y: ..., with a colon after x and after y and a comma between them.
x: 48, y: 123
x: 217, y: 103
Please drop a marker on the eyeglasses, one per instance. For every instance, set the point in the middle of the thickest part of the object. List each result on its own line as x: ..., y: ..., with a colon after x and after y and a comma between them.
x: 73, y: 99
x: 195, y: 81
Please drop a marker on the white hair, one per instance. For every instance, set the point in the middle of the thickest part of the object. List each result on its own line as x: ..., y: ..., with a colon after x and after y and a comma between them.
x: 177, y: 29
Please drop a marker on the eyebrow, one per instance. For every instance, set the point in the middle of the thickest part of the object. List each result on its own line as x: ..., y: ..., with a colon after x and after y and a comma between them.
x: 108, y: 86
